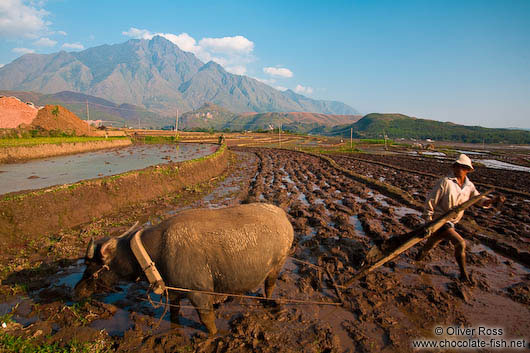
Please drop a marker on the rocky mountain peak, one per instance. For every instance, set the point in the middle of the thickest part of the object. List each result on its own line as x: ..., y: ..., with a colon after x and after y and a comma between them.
x: 156, y: 75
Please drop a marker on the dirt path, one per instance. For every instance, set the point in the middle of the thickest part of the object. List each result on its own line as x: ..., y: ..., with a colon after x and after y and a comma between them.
x: 336, y: 220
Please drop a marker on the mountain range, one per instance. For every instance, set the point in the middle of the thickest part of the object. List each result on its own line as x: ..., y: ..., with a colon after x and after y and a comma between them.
x: 154, y: 75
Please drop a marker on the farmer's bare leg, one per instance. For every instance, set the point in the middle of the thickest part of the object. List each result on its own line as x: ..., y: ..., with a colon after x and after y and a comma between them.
x: 460, y: 251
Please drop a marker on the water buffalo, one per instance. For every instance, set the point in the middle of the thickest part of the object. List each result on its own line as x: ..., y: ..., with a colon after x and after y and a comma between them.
x: 228, y: 250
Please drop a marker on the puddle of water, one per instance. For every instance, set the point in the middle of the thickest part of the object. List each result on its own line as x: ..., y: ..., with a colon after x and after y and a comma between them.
x: 303, y: 199
x: 288, y: 179
x: 116, y: 325
x: 471, y: 152
x: 319, y: 202
x: 359, y: 199
x: 433, y: 153
x: 495, y: 164
x: 381, y: 199
x: 354, y: 220
x: 41, y: 173
x: 8, y: 308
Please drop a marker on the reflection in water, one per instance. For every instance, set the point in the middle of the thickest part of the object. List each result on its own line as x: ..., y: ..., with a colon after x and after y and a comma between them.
x: 37, y: 174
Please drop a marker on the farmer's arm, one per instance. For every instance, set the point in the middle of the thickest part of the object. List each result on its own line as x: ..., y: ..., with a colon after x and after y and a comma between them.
x: 488, y: 202
x: 434, y: 197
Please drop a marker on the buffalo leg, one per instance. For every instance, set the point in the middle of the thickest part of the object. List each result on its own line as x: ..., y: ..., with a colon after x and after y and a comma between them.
x: 270, y: 281
x: 204, y: 307
x: 174, y: 299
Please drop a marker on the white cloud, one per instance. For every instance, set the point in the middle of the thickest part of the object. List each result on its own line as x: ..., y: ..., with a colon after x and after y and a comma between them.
x: 22, y: 50
x: 138, y: 33
x: 63, y: 33
x: 233, y: 53
x: 236, y: 44
x: 18, y: 19
x: 1, y: 66
x: 237, y: 70
x: 278, y: 71
x: 73, y: 46
x: 303, y: 90
x: 281, y: 88
x: 45, y: 42
x: 184, y: 41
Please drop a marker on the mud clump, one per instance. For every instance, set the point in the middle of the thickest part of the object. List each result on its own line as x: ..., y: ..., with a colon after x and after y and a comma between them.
x: 520, y: 292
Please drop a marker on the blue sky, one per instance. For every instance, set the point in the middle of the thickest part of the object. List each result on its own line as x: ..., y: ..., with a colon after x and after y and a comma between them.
x: 462, y: 61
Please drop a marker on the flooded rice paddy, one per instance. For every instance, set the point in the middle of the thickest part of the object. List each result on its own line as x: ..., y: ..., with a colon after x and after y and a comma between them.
x: 37, y: 174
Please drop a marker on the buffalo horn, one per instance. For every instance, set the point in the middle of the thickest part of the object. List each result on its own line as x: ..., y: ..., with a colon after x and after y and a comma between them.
x: 91, y: 249
x: 129, y: 230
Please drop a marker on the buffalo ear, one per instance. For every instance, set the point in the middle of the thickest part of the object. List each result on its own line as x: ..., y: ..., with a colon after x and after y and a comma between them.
x: 90, y: 249
x: 108, y: 250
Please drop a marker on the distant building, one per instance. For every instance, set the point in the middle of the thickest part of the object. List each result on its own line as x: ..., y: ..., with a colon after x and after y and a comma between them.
x: 95, y: 123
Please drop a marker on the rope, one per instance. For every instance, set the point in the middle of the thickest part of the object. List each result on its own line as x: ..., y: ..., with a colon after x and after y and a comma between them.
x: 157, y: 305
x: 282, y: 301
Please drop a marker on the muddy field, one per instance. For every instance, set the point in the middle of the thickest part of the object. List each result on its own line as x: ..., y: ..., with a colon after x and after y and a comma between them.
x: 336, y: 221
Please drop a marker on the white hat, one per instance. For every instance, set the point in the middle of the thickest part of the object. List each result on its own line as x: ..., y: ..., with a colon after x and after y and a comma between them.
x: 464, y: 160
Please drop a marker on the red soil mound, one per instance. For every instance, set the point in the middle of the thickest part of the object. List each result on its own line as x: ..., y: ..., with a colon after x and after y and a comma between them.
x: 14, y: 112
x: 55, y: 117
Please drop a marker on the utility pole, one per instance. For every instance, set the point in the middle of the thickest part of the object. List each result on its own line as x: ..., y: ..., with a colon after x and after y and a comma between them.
x: 279, y: 135
x: 177, y: 123
x: 87, y: 117
x: 351, y: 138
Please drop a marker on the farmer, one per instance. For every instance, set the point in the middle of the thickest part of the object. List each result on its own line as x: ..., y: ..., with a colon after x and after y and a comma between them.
x: 449, y: 192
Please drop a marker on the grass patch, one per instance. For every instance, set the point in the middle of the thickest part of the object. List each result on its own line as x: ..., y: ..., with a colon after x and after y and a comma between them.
x: 159, y: 139
x: 376, y: 141
x: 9, y: 343
x: 331, y: 150
x: 35, y: 141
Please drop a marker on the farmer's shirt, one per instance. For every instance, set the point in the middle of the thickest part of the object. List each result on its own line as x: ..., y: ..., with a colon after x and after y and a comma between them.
x: 446, y: 195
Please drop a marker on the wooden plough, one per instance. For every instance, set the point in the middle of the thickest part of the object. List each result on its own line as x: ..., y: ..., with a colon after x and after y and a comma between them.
x: 393, y: 247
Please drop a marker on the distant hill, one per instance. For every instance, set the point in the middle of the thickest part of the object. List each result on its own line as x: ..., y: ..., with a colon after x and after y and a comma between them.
x: 155, y: 75
x: 211, y: 116
x: 401, y: 126
x: 99, y: 109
